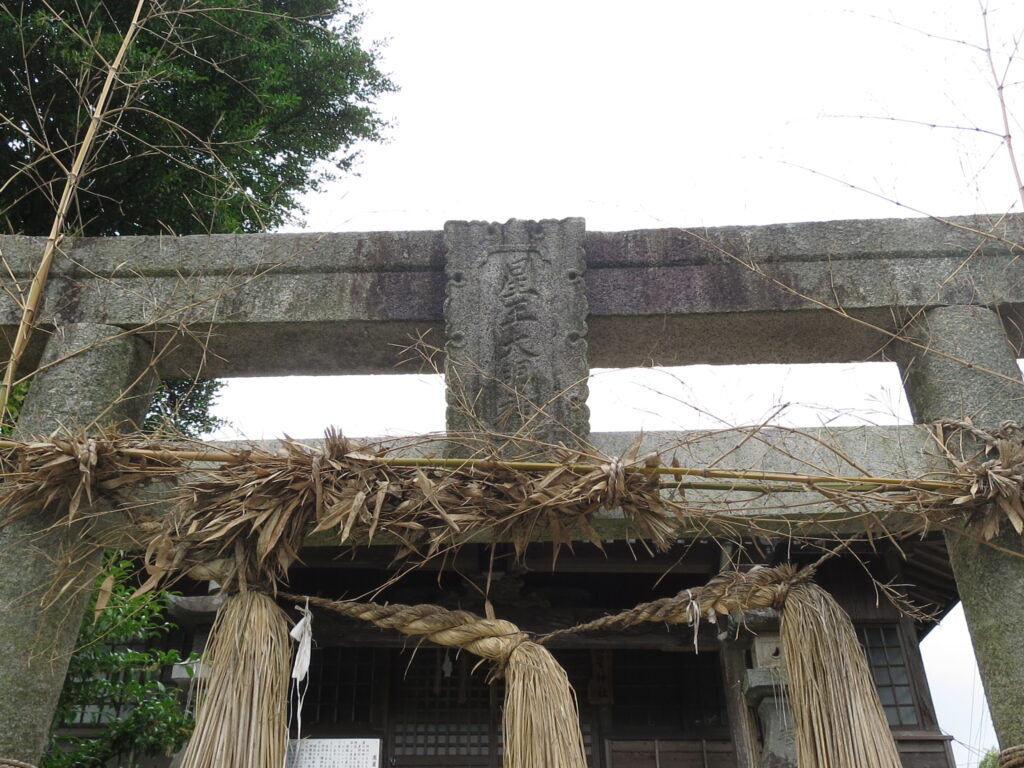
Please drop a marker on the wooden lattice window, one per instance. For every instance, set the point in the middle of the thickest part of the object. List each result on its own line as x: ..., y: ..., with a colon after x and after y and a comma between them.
x: 342, y: 686
x: 892, y: 677
x: 443, y: 712
x: 666, y: 694
x: 432, y: 709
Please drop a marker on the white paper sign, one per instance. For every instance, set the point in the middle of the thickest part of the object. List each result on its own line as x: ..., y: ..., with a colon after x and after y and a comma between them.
x: 334, y: 753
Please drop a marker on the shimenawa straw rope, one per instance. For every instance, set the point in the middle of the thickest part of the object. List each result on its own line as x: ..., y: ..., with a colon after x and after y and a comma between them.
x: 541, y: 716
x: 1012, y: 757
x: 838, y: 718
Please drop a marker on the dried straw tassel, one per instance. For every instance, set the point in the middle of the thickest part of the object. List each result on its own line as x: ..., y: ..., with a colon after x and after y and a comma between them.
x: 838, y: 719
x: 242, y: 717
x: 541, y: 719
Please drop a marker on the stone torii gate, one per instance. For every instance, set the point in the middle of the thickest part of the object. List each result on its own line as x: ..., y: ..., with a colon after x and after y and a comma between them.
x: 528, y: 308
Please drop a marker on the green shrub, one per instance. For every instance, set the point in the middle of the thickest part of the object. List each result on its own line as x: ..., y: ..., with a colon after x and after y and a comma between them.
x: 114, y: 681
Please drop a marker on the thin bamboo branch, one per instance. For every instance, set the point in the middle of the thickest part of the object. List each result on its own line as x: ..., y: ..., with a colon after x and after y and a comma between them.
x: 74, y: 176
x: 1000, y: 85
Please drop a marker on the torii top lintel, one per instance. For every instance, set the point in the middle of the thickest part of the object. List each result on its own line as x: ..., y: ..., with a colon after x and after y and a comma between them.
x: 275, y: 304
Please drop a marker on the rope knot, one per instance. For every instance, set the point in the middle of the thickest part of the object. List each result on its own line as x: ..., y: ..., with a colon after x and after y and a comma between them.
x: 615, y: 480
x: 511, y: 644
x: 781, y: 593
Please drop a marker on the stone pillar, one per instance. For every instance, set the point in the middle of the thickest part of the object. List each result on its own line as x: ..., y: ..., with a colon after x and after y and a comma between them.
x: 777, y: 725
x: 764, y: 686
x: 963, y: 366
x: 516, y: 325
x: 36, y: 643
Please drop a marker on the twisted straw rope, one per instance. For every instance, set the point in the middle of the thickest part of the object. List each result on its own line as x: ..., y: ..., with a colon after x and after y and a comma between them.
x: 829, y: 678
x: 1012, y: 757
x: 725, y: 592
x: 541, y: 716
x: 6, y: 762
x: 495, y: 639
x: 492, y: 639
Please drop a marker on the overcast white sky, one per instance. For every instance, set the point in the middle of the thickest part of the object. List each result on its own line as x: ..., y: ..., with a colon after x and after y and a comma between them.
x: 657, y: 114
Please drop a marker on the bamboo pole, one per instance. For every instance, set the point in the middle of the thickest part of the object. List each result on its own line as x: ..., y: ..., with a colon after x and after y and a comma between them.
x: 762, y: 481
x: 787, y: 477
x: 35, y: 293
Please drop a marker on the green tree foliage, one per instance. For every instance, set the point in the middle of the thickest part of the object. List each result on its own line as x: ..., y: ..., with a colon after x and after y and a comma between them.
x: 225, y: 112
x: 990, y: 759
x: 14, y: 404
x: 182, y: 407
x: 114, y: 680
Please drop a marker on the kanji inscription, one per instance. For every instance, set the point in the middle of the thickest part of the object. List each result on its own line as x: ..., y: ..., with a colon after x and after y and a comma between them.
x: 515, y: 316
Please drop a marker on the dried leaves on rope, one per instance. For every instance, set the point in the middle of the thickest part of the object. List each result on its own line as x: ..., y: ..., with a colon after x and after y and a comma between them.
x: 66, y: 474
x: 243, y: 522
x: 246, y: 523
x: 999, y: 480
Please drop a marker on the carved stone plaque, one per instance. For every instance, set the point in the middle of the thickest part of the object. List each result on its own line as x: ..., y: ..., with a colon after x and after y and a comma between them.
x: 516, y: 324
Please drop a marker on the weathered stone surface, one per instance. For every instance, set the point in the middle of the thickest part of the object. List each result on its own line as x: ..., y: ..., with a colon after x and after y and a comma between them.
x: 764, y: 692
x: 257, y: 304
x: 843, y: 451
x: 82, y: 390
x: 963, y: 367
x: 339, y: 303
x: 958, y: 363
x: 836, y: 450
x: 515, y: 320
x: 93, y: 376
x: 764, y: 687
x: 779, y: 742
